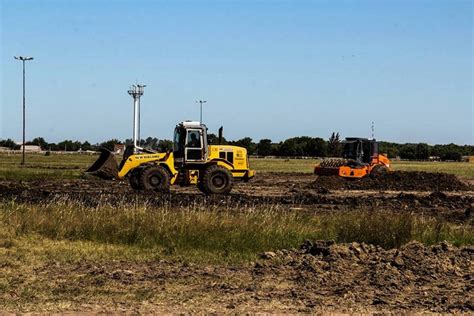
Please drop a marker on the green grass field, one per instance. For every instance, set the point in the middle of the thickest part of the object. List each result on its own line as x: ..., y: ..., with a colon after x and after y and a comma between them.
x: 40, y: 166
x: 72, y: 166
x: 461, y: 169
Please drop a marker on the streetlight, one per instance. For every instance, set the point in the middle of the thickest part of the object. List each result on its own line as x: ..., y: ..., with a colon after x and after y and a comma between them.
x: 200, y: 117
x: 23, y: 59
x: 136, y: 91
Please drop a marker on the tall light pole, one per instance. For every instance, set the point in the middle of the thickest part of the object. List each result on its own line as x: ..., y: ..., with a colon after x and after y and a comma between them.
x: 136, y: 91
x: 200, y: 102
x: 23, y: 59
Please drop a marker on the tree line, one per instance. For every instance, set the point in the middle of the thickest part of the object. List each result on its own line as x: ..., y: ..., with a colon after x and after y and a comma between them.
x: 295, y: 146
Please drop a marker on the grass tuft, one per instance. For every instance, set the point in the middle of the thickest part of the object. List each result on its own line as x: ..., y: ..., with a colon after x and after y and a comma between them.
x: 221, y: 234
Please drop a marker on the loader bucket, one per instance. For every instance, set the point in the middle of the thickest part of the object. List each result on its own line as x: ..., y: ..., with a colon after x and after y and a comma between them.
x: 105, y: 167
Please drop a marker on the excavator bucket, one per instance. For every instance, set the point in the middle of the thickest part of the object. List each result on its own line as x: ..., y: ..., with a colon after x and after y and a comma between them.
x: 105, y: 167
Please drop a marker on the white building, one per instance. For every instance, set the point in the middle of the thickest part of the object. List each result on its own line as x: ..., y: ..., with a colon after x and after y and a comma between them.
x: 31, y: 148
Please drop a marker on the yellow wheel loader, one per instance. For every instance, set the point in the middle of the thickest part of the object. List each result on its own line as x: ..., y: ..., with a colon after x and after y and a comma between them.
x: 213, y: 168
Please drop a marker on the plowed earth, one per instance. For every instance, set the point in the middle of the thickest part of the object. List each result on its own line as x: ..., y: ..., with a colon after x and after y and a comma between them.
x: 413, y: 192
x: 320, y: 276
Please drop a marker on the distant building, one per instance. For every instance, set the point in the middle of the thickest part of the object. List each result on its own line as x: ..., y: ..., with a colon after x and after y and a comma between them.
x: 31, y: 148
x: 471, y: 159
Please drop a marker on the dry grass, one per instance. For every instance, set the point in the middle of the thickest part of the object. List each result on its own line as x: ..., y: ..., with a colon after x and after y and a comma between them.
x: 218, y: 234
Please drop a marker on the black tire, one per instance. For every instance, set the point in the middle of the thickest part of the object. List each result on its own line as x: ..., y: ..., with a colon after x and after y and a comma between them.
x: 217, y: 180
x: 378, y: 171
x: 134, y: 179
x: 155, y: 178
x: 201, y: 188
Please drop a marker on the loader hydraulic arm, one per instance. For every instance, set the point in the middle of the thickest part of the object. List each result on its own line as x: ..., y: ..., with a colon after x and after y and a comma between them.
x: 135, y: 161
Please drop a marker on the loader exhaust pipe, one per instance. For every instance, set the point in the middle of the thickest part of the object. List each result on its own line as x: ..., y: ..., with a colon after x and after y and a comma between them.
x: 221, y: 132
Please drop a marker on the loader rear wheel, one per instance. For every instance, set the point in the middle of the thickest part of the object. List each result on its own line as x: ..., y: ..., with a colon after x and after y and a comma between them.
x: 155, y: 178
x: 378, y: 171
x: 217, y: 180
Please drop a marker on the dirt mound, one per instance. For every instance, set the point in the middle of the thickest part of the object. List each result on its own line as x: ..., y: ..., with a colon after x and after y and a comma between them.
x: 414, y: 277
x: 398, y: 180
x: 320, y: 277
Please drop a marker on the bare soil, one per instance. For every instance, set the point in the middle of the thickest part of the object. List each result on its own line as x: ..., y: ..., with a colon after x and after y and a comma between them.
x: 320, y: 276
x: 398, y: 180
x: 302, y: 192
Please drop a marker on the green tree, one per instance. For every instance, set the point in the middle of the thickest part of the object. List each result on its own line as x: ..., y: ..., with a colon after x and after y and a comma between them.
x: 334, y: 145
x: 422, y: 151
x: 391, y: 149
x: 8, y: 143
x: 213, y: 139
x: 164, y: 145
x: 408, y: 151
x: 86, y: 146
x: 39, y: 141
x: 110, y: 144
x: 264, y: 147
x: 246, y: 142
x: 303, y: 146
x: 451, y: 152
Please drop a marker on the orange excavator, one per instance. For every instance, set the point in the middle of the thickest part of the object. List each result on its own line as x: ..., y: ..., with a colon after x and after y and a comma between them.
x: 360, y: 158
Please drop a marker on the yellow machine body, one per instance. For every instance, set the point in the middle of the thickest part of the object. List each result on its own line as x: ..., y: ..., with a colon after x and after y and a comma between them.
x: 134, y: 161
x: 239, y: 168
x: 213, y: 168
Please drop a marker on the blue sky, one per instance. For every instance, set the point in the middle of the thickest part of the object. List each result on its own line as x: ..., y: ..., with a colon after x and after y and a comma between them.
x: 268, y: 69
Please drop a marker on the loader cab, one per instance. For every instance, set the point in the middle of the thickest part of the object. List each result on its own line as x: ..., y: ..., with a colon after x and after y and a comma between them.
x: 190, y: 143
x: 361, y: 150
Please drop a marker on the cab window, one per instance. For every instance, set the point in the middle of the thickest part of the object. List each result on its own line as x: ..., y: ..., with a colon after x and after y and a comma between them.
x: 178, y: 143
x: 194, y: 139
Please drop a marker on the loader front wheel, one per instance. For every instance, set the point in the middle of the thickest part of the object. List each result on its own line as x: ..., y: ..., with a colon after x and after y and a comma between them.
x: 155, y: 178
x: 217, y: 180
x: 135, y: 179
